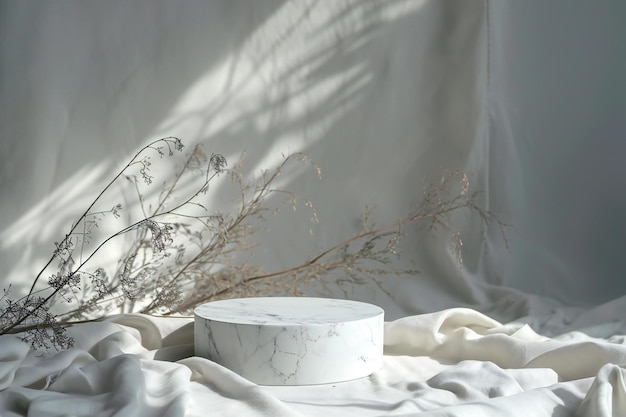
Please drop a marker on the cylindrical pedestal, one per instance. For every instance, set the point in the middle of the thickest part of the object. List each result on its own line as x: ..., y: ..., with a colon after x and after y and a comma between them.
x: 291, y: 340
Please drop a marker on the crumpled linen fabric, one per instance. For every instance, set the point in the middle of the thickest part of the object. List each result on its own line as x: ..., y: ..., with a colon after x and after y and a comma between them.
x: 456, y: 362
x: 126, y: 366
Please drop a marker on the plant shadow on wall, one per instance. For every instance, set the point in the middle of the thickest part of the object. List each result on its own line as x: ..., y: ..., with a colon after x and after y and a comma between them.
x: 179, y: 250
x: 246, y: 103
x: 303, y: 83
x: 183, y: 255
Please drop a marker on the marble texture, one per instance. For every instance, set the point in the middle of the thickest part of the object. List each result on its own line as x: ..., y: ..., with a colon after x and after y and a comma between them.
x: 291, y: 340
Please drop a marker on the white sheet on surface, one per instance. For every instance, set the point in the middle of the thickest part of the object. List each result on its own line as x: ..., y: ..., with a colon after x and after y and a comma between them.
x: 456, y: 362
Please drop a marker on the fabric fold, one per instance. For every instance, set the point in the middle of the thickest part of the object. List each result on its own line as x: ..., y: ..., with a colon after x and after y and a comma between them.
x: 455, y: 362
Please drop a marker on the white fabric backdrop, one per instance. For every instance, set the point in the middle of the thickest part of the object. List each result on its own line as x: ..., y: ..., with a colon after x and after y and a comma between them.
x: 380, y: 94
x: 557, y: 136
x: 526, y: 97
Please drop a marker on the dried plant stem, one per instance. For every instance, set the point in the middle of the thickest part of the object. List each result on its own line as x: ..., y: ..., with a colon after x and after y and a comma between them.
x: 93, y: 203
x: 160, y: 275
x: 30, y: 311
x: 246, y: 207
x: 435, y: 216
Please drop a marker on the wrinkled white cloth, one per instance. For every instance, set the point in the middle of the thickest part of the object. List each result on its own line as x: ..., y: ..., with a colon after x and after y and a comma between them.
x: 455, y: 362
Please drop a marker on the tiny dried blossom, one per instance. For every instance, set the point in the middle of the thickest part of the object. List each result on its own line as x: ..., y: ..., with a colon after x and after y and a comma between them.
x: 116, y: 210
x: 146, y: 177
x: 99, y: 282
x: 178, y: 144
x: 306, y: 159
x: 128, y: 264
x: 6, y: 292
x: 64, y: 247
x: 58, y: 281
x: 168, y: 294
x: 465, y: 184
x: 159, y: 150
x: 161, y: 236
x: 132, y: 287
x: 218, y: 163
x: 145, y: 167
x: 34, y: 311
x: 64, y: 283
x: 127, y: 281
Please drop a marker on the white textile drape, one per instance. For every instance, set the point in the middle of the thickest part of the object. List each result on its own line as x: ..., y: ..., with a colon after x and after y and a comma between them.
x: 526, y: 97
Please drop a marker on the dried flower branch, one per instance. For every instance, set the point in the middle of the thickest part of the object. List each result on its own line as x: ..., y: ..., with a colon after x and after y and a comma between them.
x: 180, y: 255
x: 33, y: 311
x: 365, y: 255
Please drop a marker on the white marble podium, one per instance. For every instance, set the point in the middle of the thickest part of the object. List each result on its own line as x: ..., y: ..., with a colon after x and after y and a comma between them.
x: 291, y: 340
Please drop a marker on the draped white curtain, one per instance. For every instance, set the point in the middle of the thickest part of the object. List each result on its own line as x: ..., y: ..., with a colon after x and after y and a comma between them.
x: 528, y: 98
x: 557, y: 140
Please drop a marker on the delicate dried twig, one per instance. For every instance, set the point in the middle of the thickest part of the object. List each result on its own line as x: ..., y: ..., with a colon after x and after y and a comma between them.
x: 182, y: 255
